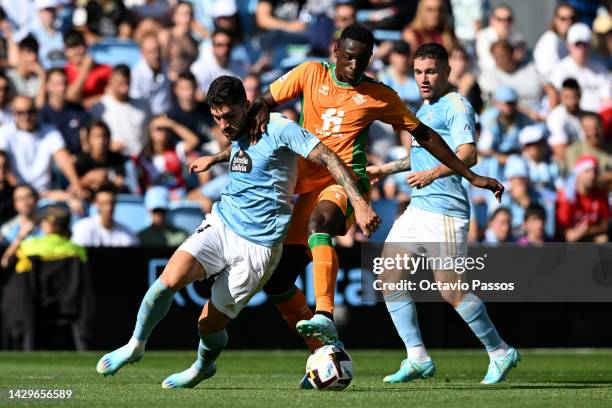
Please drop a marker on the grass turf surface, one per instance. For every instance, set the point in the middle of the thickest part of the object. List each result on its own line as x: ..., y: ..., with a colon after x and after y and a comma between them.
x: 269, y: 379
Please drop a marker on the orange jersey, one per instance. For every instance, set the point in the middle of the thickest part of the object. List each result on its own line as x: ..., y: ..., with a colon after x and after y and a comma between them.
x: 340, y: 115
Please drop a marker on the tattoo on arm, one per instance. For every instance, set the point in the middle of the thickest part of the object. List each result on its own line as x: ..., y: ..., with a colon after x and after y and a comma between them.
x: 223, y: 155
x: 396, y: 166
x: 338, y: 169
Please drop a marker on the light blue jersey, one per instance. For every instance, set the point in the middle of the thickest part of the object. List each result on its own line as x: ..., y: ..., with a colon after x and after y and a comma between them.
x: 256, y: 202
x: 453, y: 118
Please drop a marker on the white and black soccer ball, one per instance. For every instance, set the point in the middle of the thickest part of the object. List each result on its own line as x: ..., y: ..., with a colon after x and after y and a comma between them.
x: 329, y: 368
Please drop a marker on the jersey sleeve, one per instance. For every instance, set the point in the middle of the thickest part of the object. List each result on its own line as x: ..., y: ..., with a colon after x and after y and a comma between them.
x: 297, y: 139
x: 461, y: 122
x: 396, y: 113
x: 291, y: 85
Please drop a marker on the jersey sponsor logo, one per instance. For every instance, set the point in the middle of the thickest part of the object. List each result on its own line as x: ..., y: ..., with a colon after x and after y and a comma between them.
x: 332, y: 118
x: 359, y: 99
x: 324, y: 89
x: 241, y: 163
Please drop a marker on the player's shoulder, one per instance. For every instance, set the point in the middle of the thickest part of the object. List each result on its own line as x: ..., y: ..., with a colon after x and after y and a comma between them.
x: 376, y: 85
x: 281, y: 125
x: 457, y: 103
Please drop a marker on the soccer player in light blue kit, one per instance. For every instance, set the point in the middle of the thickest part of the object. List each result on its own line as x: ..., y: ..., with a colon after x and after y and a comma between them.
x: 240, y: 241
x: 439, y: 213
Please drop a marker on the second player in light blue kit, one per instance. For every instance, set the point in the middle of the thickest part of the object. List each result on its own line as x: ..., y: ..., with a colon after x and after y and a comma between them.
x: 240, y: 241
x: 439, y: 213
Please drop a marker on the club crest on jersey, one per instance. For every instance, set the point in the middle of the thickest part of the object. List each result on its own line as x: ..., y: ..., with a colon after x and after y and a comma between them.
x: 241, y: 162
x: 324, y: 89
x: 359, y: 99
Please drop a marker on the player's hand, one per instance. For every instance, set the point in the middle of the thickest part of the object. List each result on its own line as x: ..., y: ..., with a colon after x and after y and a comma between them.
x: 374, y: 173
x: 420, y: 179
x: 490, y: 184
x: 257, y: 120
x: 201, y: 164
x: 367, y: 219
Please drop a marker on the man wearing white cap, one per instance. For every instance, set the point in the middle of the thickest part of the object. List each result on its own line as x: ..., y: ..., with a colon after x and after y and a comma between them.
x: 593, y: 77
x: 542, y: 172
x: 582, y: 211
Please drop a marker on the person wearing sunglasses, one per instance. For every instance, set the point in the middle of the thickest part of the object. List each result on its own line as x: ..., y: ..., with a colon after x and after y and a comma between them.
x: 551, y: 47
x: 500, y: 28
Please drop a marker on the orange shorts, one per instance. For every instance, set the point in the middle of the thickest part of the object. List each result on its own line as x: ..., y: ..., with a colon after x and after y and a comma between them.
x: 305, y: 204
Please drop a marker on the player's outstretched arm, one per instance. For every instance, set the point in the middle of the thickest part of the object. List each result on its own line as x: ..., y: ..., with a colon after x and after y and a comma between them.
x: 396, y: 166
x: 259, y: 115
x: 201, y: 164
x: 365, y: 216
x: 419, y: 179
x: 434, y: 144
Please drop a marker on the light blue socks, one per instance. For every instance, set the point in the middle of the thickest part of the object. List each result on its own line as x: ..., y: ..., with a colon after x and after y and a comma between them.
x: 474, y: 313
x: 211, y: 345
x: 153, y: 308
x: 404, y: 315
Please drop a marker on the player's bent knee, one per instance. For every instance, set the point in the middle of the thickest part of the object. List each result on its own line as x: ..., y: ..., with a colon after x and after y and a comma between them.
x: 212, y: 320
x: 181, y: 270
x: 453, y: 297
x: 293, y: 261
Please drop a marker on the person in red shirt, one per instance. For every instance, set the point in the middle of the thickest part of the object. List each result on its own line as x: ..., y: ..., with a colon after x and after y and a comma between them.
x: 582, y: 207
x: 86, y: 79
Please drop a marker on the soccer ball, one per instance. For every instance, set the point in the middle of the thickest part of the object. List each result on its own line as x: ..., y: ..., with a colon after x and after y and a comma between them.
x: 329, y: 368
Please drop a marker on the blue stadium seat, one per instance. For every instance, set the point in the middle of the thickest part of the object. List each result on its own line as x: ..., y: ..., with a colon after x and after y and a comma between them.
x: 387, y: 211
x: 130, y: 212
x: 185, y: 215
x: 113, y: 52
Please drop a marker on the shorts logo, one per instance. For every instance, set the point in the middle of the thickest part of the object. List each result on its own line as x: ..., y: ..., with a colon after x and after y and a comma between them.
x: 359, y: 99
x: 324, y: 89
x: 241, y: 162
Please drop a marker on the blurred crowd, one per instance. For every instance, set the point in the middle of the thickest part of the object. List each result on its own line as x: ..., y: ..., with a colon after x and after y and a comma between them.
x: 106, y: 97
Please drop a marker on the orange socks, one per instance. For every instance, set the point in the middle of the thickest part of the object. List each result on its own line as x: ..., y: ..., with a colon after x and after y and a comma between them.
x: 293, y: 307
x: 325, y: 271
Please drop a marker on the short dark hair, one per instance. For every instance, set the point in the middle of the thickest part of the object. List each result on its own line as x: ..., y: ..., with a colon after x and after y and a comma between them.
x: 222, y: 31
x: 7, y: 159
x: 55, y: 70
x: 107, y: 187
x: 97, y: 123
x: 433, y: 51
x: 122, y: 70
x: 226, y: 90
x: 571, y: 83
x: 535, y: 210
x: 73, y: 38
x: 590, y: 114
x: 29, y: 43
x: 498, y: 211
x: 29, y: 187
x: 187, y: 76
x: 358, y: 33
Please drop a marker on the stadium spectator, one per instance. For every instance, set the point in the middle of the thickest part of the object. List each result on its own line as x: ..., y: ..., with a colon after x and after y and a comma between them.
x: 69, y: 118
x: 520, y: 193
x: 86, y: 79
x: 602, y: 41
x: 181, y: 31
x: 345, y: 15
x: 163, y: 161
x: 592, y: 145
x: 160, y: 233
x: 582, y: 209
x: 81, y: 23
x: 464, y: 80
x: 563, y: 121
x: 225, y: 16
x: 542, y: 172
x: 467, y: 20
x: 33, y: 147
x: 99, y: 166
x: 252, y: 86
x: 398, y: 75
x: 182, y: 53
x: 501, y: 125
x: 280, y: 15
x: 155, y: 9
x: 187, y: 110
x: 430, y: 24
x: 107, y: 16
x: 50, y: 40
x: 5, y: 100
x: 102, y: 229
x: 500, y: 28
x: 499, y: 229
x: 24, y: 224
x: 28, y: 75
x: 126, y: 117
x: 593, y: 76
x: 149, y: 79
x: 7, y: 210
x: 551, y: 47
x: 533, y: 226
x: 218, y: 61
x: 525, y: 80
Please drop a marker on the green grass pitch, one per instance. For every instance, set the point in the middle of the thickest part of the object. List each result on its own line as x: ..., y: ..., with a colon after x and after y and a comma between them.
x: 269, y: 379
